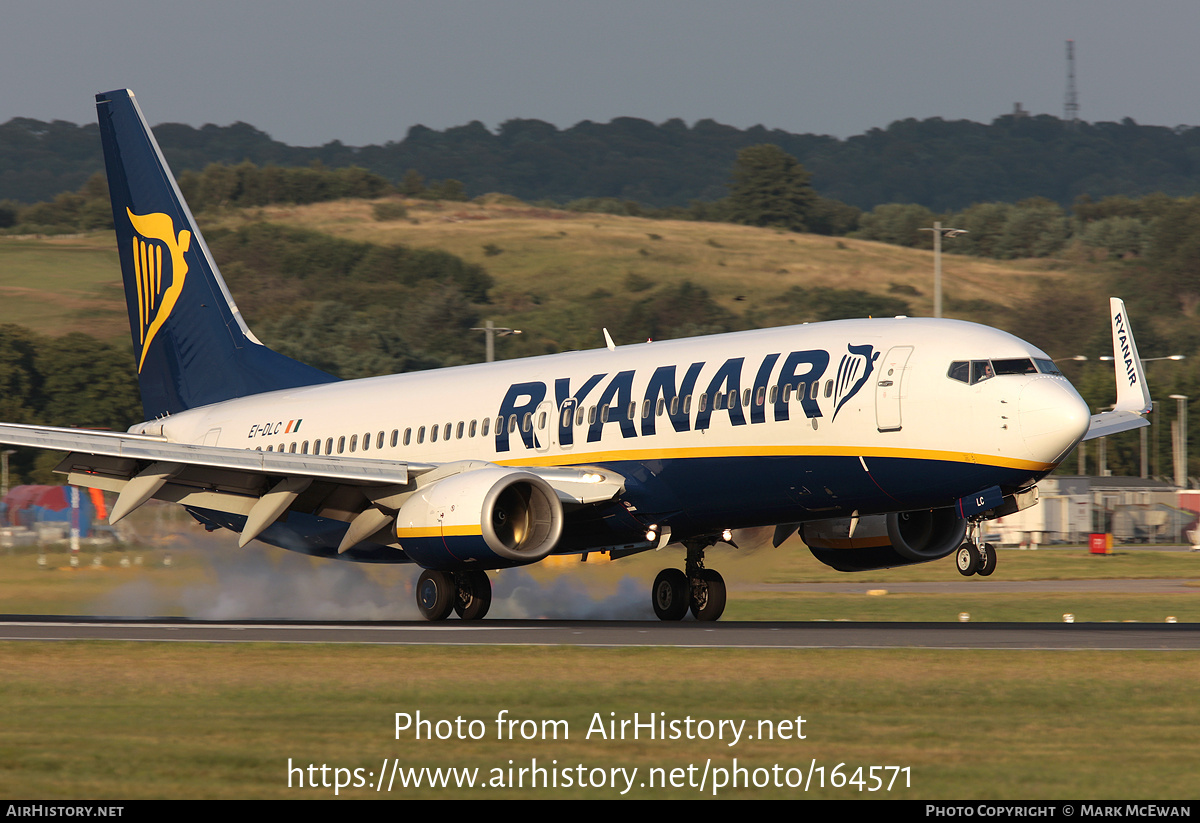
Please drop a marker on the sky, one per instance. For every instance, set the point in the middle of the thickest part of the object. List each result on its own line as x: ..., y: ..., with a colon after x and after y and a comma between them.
x: 365, y: 71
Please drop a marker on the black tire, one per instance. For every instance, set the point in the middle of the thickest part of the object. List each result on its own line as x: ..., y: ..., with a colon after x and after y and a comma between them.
x: 671, y: 594
x: 966, y: 559
x: 708, y: 598
x: 472, y: 595
x: 988, y: 565
x: 435, y: 594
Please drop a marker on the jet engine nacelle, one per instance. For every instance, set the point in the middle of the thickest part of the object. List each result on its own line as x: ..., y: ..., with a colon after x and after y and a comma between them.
x: 882, y: 541
x: 484, y: 519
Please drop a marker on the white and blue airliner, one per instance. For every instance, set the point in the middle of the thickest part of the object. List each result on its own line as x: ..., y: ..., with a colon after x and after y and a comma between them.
x: 884, y: 442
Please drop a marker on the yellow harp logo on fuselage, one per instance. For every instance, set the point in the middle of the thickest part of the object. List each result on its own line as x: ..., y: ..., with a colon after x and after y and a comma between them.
x: 158, y: 287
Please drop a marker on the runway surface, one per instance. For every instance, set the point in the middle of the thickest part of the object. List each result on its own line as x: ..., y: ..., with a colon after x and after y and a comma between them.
x: 627, y: 634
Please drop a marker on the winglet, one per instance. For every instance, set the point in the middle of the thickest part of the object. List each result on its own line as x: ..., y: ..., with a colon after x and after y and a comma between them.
x: 1132, y: 392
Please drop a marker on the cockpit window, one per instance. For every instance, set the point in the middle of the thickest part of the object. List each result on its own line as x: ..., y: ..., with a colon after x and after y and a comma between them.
x: 1047, y: 367
x: 1017, y: 365
x: 981, y: 370
x: 976, y: 371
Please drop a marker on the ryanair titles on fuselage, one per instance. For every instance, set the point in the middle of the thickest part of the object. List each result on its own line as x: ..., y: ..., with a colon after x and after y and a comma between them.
x: 799, y: 371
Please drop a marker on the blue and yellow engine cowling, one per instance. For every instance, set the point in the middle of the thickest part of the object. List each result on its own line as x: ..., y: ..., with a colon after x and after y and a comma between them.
x: 483, y: 519
x: 883, y: 541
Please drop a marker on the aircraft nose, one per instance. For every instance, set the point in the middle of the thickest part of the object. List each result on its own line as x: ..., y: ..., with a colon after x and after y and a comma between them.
x: 1053, y: 418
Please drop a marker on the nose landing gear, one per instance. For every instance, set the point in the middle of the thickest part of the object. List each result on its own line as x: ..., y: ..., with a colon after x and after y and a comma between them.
x: 974, y: 556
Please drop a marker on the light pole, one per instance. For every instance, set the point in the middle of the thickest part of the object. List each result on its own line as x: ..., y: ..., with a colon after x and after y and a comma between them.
x: 938, y: 233
x: 493, y: 331
x: 1179, y: 432
x: 4, y: 471
x: 1142, y: 434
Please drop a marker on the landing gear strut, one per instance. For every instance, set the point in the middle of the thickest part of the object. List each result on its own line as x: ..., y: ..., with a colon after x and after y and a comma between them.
x: 467, y: 593
x: 974, y: 556
x: 699, y: 589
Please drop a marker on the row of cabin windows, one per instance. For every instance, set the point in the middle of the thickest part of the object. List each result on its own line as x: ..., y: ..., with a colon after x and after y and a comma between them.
x: 446, y: 431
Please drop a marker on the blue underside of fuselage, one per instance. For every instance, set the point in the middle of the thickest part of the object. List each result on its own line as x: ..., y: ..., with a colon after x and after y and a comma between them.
x: 701, y: 496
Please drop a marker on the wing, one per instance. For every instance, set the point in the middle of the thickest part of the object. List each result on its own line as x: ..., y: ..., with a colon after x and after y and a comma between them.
x: 263, y: 486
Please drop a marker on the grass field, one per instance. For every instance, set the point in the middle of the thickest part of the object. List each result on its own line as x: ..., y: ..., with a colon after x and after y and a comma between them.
x: 547, y: 260
x: 100, y: 720
x: 113, y: 720
x: 62, y: 284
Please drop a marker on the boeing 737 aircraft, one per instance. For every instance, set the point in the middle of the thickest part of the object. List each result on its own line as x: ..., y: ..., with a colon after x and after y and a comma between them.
x: 884, y: 442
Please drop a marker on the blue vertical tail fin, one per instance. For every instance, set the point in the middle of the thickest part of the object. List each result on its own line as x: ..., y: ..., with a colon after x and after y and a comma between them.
x: 192, y: 346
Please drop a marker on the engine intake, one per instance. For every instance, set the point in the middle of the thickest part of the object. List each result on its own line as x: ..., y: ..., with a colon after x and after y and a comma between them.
x: 485, y: 519
x: 883, y: 541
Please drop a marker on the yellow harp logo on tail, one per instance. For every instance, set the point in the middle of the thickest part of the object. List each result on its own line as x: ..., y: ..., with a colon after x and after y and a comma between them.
x: 158, y: 287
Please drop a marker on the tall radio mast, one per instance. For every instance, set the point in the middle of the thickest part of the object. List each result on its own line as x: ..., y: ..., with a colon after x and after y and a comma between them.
x: 1071, y: 108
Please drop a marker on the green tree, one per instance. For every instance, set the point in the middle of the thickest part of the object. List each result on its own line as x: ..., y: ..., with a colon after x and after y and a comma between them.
x: 88, y: 383
x: 769, y: 187
x: 897, y: 223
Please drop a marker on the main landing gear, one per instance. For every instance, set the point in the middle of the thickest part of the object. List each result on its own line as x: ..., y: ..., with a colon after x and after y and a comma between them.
x: 699, y: 589
x: 974, y: 556
x: 469, y: 594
